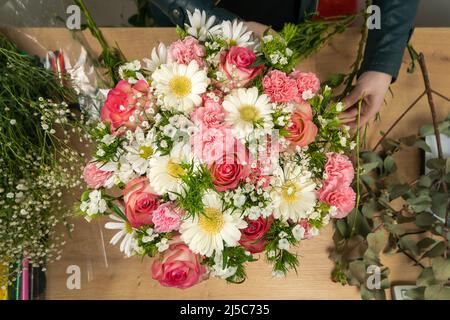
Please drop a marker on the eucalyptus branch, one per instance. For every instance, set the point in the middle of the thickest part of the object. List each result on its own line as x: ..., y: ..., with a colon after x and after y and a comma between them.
x: 397, y: 121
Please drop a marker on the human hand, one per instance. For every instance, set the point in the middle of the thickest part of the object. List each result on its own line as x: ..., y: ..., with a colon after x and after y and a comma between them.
x: 372, y: 87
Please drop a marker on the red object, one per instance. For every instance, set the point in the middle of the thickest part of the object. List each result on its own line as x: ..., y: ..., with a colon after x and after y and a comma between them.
x: 333, y: 8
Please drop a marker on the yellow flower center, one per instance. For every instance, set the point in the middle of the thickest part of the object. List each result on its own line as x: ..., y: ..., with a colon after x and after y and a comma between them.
x: 175, y: 170
x: 180, y: 86
x: 128, y: 228
x: 211, y: 221
x: 145, y: 152
x: 289, y: 190
x: 249, y: 113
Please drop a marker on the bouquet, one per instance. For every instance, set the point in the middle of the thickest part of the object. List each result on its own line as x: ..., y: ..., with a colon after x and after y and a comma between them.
x: 214, y: 150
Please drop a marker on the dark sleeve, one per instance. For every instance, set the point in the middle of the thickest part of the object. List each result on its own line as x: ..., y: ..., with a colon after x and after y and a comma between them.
x: 385, y: 46
x: 175, y: 10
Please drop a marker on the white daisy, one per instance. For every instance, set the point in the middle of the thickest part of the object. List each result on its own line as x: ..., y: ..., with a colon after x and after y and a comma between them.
x: 234, y: 33
x: 206, y: 232
x: 180, y: 85
x: 293, y: 194
x: 140, y: 150
x: 158, y: 57
x: 198, y: 25
x: 95, y: 203
x: 165, y: 172
x: 126, y: 232
x: 246, y: 110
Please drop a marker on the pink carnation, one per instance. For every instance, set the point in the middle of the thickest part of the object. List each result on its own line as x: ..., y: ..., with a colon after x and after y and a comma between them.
x: 94, y: 176
x: 341, y: 197
x: 340, y: 168
x: 184, y: 51
x: 211, y: 115
x: 209, y: 144
x: 279, y: 87
x: 166, y: 218
x: 307, y: 83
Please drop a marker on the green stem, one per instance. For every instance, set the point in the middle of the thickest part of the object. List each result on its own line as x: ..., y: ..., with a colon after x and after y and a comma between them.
x: 358, y: 167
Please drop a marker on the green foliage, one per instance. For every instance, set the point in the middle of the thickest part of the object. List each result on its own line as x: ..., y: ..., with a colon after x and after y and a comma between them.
x: 417, y: 229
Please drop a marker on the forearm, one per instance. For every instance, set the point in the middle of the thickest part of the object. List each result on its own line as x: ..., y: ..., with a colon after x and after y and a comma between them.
x: 176, y: 9
x: 385, y: 46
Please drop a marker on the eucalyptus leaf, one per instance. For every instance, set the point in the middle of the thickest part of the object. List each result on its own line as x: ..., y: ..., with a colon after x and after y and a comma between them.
x: 436, y: 164
x: 358, y: 270
x: 425, y: 219
x: 426, y: 278
x: 425, y: 243
x: 439, y: 203
x: 422, y: 145
x: 397, y: 190
x: 377, y: 241
x: 416, y: 293
x: 437, y: 292
x: 367, y: 167
x: 441, y: 268
x: 370, y: 208
x: 389, y: 165
x: 437, y: 250
x: 407, y: 243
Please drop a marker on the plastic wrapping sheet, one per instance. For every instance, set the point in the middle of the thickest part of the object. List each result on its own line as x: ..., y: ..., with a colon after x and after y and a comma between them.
x: 37, y: 27
x: 67, y: 52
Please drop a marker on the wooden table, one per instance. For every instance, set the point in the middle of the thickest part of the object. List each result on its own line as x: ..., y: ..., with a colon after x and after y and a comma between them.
x: 106, y: 274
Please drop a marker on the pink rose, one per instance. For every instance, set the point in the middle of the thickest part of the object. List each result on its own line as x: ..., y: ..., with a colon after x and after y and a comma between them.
x: 279, y: 87
x: 94, y: 176
x: 307, y: 85
x: 231, y: 168
x: 122, y: 103
x: 235, y: 65
x: 140, y: 202
x: 302, y: 131
x: 167, y: 218
x: 186, y: 50
x: 178, y: 266
x: 252, y: 236
x: 341, y: 197
x: 339, y: 167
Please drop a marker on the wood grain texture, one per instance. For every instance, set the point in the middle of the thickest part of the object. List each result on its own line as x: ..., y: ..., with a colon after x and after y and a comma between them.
x: 107, y: 275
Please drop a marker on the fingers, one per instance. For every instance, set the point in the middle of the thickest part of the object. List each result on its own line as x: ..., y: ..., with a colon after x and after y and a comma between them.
x: 352, y: 98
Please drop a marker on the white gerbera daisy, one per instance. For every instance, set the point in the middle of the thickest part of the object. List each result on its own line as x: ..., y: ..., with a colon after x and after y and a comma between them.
x: 180, y: 86
x: 198, y: 25
x: 234, y: 33
x: 246, y: 110
x: 205, y: 233
x: 158, y: 57
x: 293, y: 194
x: 165, y: 172
x: 140, y: 150
x: 128, y: 244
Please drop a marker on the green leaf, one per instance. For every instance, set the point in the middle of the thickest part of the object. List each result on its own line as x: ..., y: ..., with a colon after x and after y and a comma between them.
x: 367, y: 167
x: 425, y: 219
x: 427, y: 130
x: 425, y: 243
x: 406, y: 243
x: 436, y: 251
x: 377, y: 241
x: 370, y: 156
x: 335, y: 80
x: 439, y: 202
x: 416, y: 293
x: 422, y: 145
x: 437, y: 292
x: 426, y: 278
x: 342, y: 227
x: 420, y: 204
x: 397, y: 190
x: 358, y: 270
x: 425, y: 181
x: 436, y: 164
x: 441, y: 268
x: 369, y: 208
x: 389, y: 164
